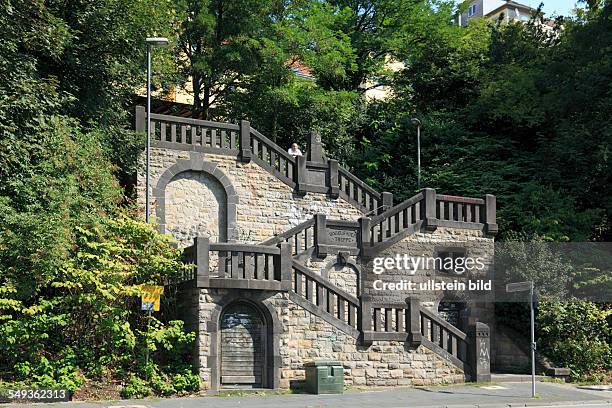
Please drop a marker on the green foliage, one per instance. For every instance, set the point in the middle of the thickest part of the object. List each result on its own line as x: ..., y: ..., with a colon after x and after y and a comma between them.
x: 577, y: 335
x: 136, y: 387
x: 218, y: 44
x: 85, y: 323
x: 508, y: 109
x: 170, y: 348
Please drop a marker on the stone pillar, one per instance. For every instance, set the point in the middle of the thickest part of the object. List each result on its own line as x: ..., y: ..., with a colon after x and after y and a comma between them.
x: 320, y: 235
x: 332, y: 169
x: 479, y: 353
x: 140, y: 119
x: 428, y: 209
x: 365, y: 313
x: 365, y: 224
x: 284, y: 265
x: 387, y: 201
x: 202, y: 246
x: 414, y: 324
x: 490, y: 214
x: 315, y: 148
x: 302, y: 174
x: 245, y: 141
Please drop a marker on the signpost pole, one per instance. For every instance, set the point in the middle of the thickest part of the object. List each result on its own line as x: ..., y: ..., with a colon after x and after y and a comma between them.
x: 147, y: 345
x: 533, y: 344
x: 523, y: 287
x: 150, y: 301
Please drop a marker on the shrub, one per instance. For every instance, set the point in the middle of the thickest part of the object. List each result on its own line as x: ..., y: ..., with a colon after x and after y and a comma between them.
x: 577, y: 335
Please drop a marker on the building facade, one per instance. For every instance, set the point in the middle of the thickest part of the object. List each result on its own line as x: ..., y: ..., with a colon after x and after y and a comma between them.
x: 496, y: 10
x: 284, y: 251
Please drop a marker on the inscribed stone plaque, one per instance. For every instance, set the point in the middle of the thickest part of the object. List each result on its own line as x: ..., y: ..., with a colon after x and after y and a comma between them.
x: 343, y: 237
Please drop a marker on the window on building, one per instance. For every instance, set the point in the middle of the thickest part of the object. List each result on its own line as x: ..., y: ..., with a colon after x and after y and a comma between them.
x: 472, y: 10
x: 451, y: 310
x: 451, y: 261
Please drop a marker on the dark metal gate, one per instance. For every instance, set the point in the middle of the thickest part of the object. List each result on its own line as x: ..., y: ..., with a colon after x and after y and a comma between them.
x: 242, y: 346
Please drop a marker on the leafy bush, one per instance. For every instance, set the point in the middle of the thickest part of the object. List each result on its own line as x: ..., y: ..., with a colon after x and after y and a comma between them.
x: 85, y: 323
x: 136, y: 388
x: 577, y: 335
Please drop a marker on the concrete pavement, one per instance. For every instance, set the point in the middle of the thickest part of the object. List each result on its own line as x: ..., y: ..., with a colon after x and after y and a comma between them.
x: 456, y: 396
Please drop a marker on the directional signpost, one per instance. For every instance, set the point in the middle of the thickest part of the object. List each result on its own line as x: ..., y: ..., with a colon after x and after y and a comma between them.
x: 150, y: 301
x: 523, y: 287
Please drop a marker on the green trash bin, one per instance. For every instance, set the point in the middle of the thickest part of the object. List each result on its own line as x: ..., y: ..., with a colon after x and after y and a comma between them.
x: 324, y: 377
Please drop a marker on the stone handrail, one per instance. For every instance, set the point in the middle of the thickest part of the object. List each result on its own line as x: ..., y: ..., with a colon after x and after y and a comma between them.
x: 301, y: 237
x: 269, y: 155
x: 466, y: 212
x: 443, y: 338
x: 318, y: 295
x: 243, y: 141
x: 409, y: 321
x: 395, y: 220
x: 352, y: 189
x: 430, y: 210
x: 194, y: 134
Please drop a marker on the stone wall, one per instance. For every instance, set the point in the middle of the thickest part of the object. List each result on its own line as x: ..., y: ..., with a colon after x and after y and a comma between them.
x: 243, y: 202
x: 266, y: 206
x: 343, y: 276
x: 304, y: 337
x: 476, y: 244
x: 196, y: 205
x: 307, y: 337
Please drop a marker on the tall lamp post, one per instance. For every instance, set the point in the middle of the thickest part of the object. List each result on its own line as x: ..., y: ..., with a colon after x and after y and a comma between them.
x: 151, y: 42
x: 417, y: 123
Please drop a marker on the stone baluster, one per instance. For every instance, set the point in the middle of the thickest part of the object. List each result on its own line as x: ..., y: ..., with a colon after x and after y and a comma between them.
x: 414, y: 322
x: 334, y: 188
x: 320, y: 235
x: 428, y: 209
x: 284, y: 266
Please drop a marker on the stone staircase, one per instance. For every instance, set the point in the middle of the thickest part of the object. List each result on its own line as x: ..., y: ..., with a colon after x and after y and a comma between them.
x: 280, y: 263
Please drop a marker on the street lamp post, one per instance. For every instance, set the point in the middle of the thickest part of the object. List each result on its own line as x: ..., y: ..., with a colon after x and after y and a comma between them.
x: 417, y: 122
x: 151, y: 42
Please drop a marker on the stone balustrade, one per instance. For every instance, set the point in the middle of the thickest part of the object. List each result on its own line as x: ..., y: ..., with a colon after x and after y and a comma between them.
x: 412, y: 323
x: 240, y: 266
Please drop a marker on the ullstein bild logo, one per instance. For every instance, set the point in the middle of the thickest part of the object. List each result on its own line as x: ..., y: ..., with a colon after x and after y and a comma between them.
x: 448, y: 266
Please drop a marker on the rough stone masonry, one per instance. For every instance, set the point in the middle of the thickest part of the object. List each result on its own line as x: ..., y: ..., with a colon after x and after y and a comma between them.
x: 216, y: 194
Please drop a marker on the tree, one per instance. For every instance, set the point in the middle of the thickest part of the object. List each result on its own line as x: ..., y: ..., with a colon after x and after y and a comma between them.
x: 510, y: 109
x: 379, y: 32
x: 219, y: 42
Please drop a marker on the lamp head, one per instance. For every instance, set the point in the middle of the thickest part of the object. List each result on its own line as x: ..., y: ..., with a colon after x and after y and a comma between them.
x: 157, y: 41
x: 415, y: 121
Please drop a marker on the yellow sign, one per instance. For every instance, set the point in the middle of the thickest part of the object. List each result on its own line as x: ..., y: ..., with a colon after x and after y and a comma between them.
x: 150, y: 294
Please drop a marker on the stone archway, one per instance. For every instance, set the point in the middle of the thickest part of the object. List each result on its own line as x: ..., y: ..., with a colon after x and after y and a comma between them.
x: 264, y: 304
x: 191, y: 181
x: 344, y: 272
x: 196, y: 206
x: 243, y: 346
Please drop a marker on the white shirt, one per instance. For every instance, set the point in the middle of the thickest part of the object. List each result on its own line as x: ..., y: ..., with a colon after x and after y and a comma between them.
x: 294, y: 152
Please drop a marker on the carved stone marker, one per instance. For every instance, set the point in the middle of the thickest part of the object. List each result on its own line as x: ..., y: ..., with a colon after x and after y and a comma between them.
x: 480, y: 353
x: 342, y: 237
x: 315, y: 148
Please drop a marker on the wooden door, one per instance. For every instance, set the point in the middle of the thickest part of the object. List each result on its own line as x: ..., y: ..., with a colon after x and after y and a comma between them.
x: 242, y: 346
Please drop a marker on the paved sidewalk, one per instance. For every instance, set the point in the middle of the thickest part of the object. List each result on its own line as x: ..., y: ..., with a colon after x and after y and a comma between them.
x: 460, y: 396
